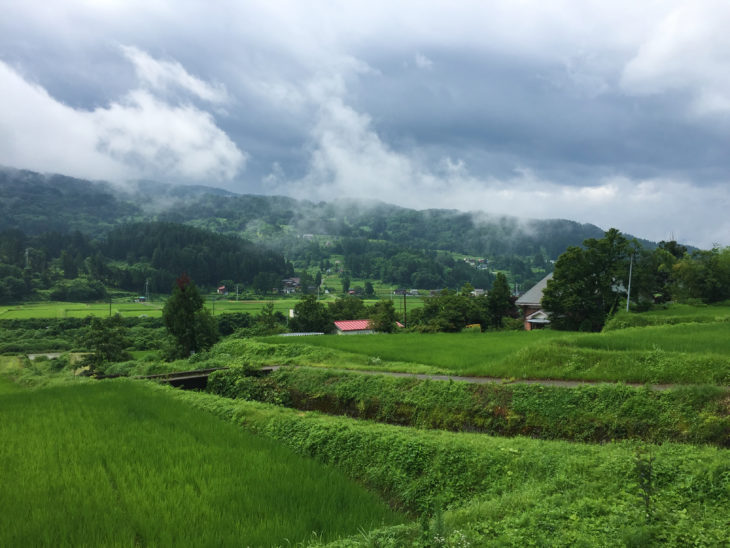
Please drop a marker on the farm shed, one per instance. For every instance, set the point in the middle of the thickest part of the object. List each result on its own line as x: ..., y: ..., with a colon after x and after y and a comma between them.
x: 353, y: 327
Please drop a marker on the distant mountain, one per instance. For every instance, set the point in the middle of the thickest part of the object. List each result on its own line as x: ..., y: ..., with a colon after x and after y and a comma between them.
x: 36, y: 203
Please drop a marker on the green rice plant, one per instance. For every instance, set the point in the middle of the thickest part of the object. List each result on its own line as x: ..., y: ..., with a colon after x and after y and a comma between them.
x: 119, y: 463
x: 294, y: 351
x: 458, y: 353
x: 563, y: 361
x: 684, y: 354
x: 701, y: 338
x: 670, y: 314
x: 517, y: 491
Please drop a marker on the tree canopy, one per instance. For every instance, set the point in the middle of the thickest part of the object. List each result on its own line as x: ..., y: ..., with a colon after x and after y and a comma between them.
x: 187, y: 320
x: 311, y: 316
x: 588, y: 283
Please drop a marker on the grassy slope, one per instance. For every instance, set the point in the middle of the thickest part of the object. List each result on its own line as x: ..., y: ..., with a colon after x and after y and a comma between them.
x: 114, y: 463
x: 517, y: 491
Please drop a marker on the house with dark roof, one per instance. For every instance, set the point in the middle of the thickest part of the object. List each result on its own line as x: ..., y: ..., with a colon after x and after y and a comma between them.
x: 531, y: 305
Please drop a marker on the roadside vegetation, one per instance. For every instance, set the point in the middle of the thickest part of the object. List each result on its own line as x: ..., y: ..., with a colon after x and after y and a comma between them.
x: 589, y: 413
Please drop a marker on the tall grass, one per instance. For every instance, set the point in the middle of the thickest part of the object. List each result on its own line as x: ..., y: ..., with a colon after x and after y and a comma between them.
x: 670, y: 314
x: 697, y: 414
x: 115, y: 463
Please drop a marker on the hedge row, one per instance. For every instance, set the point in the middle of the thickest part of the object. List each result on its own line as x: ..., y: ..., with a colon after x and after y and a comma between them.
x: 593, y: 413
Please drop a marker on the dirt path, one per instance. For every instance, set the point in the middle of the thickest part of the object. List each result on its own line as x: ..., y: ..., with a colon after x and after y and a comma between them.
x: 485, y: 380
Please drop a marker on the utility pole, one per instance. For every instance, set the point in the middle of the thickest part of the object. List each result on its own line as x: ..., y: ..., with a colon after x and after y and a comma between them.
x: 236, y: 292
x: 628, y: 292
x: 147, y: 290
x: 405, y: 321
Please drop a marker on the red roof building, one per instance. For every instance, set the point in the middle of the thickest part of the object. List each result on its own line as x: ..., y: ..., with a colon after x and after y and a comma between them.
x: 355, y: 327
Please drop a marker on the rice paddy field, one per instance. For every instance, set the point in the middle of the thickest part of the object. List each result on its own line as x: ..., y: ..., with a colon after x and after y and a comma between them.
x: 688, y: 352
x: 154, y: 309
x: 128, y: 463
x: 115, y: 463
x: 457, y: 353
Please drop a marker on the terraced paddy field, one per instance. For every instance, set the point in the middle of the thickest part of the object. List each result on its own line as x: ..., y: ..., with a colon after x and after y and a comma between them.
x: 457, y: 353
x: 115, y: 463
x: 154, y: 309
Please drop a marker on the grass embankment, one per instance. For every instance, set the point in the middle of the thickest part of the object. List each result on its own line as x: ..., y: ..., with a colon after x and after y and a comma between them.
x: 117, y: 463
x: 498, y: 491
x: 587, y: 413
x: 681, y: 354
x: 670, y: 314
x: 678, y: 354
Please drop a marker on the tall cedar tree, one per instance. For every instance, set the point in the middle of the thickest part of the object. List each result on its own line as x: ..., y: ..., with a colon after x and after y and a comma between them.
x: 186, y: 319
x: 500, y: 303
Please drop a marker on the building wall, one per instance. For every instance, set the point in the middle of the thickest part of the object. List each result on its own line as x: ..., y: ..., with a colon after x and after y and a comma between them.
x: 526, y: 311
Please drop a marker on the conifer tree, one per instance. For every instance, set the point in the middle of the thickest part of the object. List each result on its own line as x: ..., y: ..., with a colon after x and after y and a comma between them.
x: 187, y: 320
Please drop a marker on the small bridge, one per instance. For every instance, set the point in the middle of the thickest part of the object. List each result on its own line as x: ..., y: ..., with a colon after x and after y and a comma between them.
x: 196, y: 379
x: 188, y: 380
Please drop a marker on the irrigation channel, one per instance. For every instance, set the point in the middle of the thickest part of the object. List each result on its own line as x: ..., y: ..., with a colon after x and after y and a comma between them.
x: 198, y: 379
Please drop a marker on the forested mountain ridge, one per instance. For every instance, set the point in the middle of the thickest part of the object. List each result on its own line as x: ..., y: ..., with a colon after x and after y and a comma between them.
x: 34, y: 203
x: 375, y: 240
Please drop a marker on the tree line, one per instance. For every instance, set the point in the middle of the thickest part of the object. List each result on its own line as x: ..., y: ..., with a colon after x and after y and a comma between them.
x: 75, y: 267
x: 592, y: 281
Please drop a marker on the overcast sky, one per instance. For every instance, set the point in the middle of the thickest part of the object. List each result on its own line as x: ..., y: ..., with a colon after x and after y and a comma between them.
x: 614, y: 113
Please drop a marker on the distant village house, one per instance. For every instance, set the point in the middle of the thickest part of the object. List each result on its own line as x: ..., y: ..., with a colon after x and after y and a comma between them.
x: 531, y: 305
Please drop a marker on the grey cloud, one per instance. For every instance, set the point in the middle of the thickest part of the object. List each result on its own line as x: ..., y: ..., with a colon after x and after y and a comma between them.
x: 427, y: 105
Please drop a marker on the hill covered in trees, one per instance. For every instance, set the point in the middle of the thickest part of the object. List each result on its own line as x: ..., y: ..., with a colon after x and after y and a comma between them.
x: 371, y: 240
x: 75, y: 266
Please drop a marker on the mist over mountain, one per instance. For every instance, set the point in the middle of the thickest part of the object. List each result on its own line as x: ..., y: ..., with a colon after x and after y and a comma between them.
x: 35, y: 203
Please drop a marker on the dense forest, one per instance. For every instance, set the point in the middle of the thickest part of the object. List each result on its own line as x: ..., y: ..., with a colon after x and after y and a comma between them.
x: 75, y: 267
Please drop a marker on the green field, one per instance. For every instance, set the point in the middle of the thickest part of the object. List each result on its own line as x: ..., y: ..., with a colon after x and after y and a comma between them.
x: 154, y: 309
x: 129, y: 463
x: 116, y: 463
x: 459, y: 353
x: 683, y: 354
x: 707, y: 338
